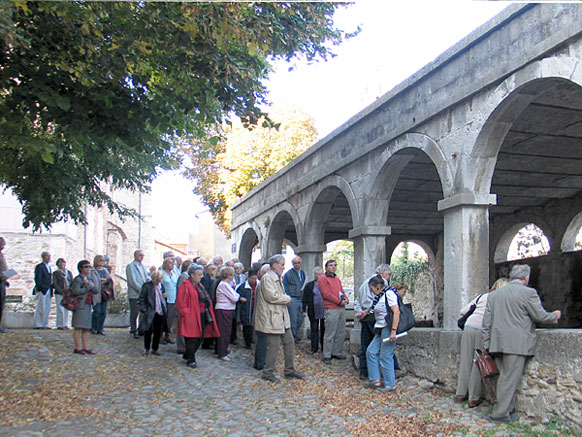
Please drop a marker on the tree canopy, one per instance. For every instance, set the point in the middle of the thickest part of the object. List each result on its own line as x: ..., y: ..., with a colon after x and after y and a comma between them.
x: 97, y: 93
x: 225, y: 171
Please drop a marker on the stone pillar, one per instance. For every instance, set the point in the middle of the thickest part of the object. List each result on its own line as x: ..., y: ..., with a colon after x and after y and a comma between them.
x: 369, y: 250
x: 311, y: 256
x: 466, y: 251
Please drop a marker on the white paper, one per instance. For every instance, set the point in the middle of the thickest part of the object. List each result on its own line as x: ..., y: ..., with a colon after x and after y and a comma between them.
x: 402, y: 334
x: 9, y: 273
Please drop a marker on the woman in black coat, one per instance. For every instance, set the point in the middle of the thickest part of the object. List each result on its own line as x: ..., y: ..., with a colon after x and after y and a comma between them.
x: 246, y: 309
x: 152, y: 305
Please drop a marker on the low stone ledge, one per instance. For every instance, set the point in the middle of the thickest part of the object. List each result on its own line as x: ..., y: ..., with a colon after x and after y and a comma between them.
x: 117, y: 320
x: 550, y: 385
x: 14, y: 320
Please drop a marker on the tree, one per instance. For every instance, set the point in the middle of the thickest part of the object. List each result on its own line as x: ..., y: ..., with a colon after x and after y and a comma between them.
x: 97, y: 93
x: 227, y: 170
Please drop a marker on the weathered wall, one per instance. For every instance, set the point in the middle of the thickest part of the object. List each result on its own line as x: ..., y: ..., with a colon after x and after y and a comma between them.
x: 546, y: 271
x: 549, y: 387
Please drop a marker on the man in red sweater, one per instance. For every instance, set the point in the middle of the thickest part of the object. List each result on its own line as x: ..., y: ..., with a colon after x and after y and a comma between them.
x: 334, y: 300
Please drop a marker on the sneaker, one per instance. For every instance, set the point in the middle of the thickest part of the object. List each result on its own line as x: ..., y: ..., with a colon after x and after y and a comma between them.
x: 146, y: 352
x: 225, y: 358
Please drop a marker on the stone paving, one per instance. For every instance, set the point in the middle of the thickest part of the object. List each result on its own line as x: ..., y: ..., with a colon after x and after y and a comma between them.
x: 46, y: 390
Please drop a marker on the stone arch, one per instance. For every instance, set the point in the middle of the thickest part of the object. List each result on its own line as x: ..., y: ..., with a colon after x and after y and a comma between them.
x: 423, y: 244
x: 327, y: 191
x: 568, y: 243
x: 400, y: 153
x: 502, y: 247
x: 506, y: 104
x: 280, y: 229
x: 250, y: 238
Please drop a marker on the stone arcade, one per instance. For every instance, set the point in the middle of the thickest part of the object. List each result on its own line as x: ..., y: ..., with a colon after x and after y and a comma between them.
x: 457, y: 158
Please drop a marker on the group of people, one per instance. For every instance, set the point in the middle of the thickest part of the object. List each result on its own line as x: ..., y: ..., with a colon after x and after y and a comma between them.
x: 502, y: 324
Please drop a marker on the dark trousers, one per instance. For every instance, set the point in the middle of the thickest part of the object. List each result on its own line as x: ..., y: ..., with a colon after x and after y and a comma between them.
x: 99, y: 315
x: 133, y: 312
x: 193, y: 343
x: 156, y: 330
x: 2, y: 298
x: 260, y: 350
x: 317, y: 331
x: 366, y: 335
x: 224, y: 321
x: 247, y: 331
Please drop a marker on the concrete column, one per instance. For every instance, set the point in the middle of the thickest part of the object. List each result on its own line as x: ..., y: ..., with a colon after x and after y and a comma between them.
x: 369, y: 250
x: 311, y: 256
x: 466, y: 251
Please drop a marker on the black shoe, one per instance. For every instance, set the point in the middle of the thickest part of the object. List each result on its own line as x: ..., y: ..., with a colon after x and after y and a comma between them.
x: 156, y: 353
x: 296, y: 375
x: 499, y: 419
x: 94, y: 332
x: 271, y: 378
x: 311, y: 352
x: 192, y: 365
x: 258, y: 367
x: 338, y: 357
x: 327, y: 361
x: 101, y: 333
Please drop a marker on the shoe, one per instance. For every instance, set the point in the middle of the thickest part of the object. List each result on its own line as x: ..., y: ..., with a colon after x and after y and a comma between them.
x: 146, y: 352
x: 258, y: 367
x: 79, y: 351
x: 327, y: 361
x: 101, y: 333
x: 47, y: 327
x: 163, y: 341
x: 296, y: 375
x: 473, y: 404
x: 386, y: 389
x: 270, y: 378
x: 169, y: 340
x: 38, y: 327
x: 460, y: 398
x: 60, y: 328
x: 225, y: 358
x: 192, y: 365
x: 94, y: 332
x: 156, y: 353
x: 311, y: 352
x: 89, y: 352
x: 492, y: 419
x: 373, y: 384
x: 364, y: 377
x: 338, y: 357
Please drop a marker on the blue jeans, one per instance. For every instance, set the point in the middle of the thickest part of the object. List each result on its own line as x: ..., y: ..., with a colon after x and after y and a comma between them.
x: 381, y: 354
x: 99, y: 314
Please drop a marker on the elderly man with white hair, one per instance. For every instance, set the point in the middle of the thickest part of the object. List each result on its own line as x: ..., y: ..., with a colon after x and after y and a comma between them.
x: 509, y: 335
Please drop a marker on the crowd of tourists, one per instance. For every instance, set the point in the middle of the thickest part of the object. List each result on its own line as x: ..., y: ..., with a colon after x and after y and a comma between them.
x: 200, y: 303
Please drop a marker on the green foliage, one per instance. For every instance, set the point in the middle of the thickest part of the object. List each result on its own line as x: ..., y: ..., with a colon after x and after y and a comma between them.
x: 96, y: 94
x: 408, y: 272
x: 226, y: 170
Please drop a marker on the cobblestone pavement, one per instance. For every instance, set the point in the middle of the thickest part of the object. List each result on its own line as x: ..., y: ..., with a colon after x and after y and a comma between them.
x: 47, y: 390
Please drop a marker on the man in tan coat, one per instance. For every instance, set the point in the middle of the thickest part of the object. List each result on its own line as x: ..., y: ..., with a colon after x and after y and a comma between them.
x: 509, y: 335
x: 272, y: 319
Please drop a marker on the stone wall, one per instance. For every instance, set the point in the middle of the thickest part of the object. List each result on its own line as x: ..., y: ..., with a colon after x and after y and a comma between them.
x: 551, y: 383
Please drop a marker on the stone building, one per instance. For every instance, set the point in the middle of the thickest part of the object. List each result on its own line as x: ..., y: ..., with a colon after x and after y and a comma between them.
x: 104, y: 234
x: 457, y: 158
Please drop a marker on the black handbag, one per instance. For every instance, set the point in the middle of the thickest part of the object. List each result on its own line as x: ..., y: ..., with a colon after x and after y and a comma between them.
x: 463, y: 319
x: 407, y: 320
x: 208, y: 317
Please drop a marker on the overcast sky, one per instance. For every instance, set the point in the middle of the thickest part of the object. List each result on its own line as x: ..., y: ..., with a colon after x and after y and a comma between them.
x: 397, y: 39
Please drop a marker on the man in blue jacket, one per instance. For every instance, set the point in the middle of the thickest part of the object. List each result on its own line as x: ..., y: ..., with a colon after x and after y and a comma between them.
x: 293, y: 282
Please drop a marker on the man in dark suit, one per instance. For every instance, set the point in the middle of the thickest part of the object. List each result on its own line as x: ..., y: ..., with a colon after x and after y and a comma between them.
x: 509, y: 335
x: 43, y: 288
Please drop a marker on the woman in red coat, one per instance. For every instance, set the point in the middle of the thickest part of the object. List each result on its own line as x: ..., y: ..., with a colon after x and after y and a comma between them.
x: 197, y: 319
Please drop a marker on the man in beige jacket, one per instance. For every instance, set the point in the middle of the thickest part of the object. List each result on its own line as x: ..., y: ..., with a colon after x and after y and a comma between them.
x: 509, y: 335
x: 272, y: 319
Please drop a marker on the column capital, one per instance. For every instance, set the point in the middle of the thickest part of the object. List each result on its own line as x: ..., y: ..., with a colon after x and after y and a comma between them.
x: 370, y: 231
x: 310, y: 248
x: 467, y: 198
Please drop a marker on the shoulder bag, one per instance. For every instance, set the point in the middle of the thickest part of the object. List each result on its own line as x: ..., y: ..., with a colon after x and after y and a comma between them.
x: 463, y: 319
x: 407, y: 320
x: 69, y: 301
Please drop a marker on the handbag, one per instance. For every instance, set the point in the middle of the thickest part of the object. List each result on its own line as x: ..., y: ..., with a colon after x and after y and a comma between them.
x: 463, y: 319
x: 486, y: 364
x: 407, y: 320
x: 208, y: 316
x: 69, y: 301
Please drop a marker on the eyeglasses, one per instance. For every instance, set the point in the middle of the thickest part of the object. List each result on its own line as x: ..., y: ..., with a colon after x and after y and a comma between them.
x: 86, y: 267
